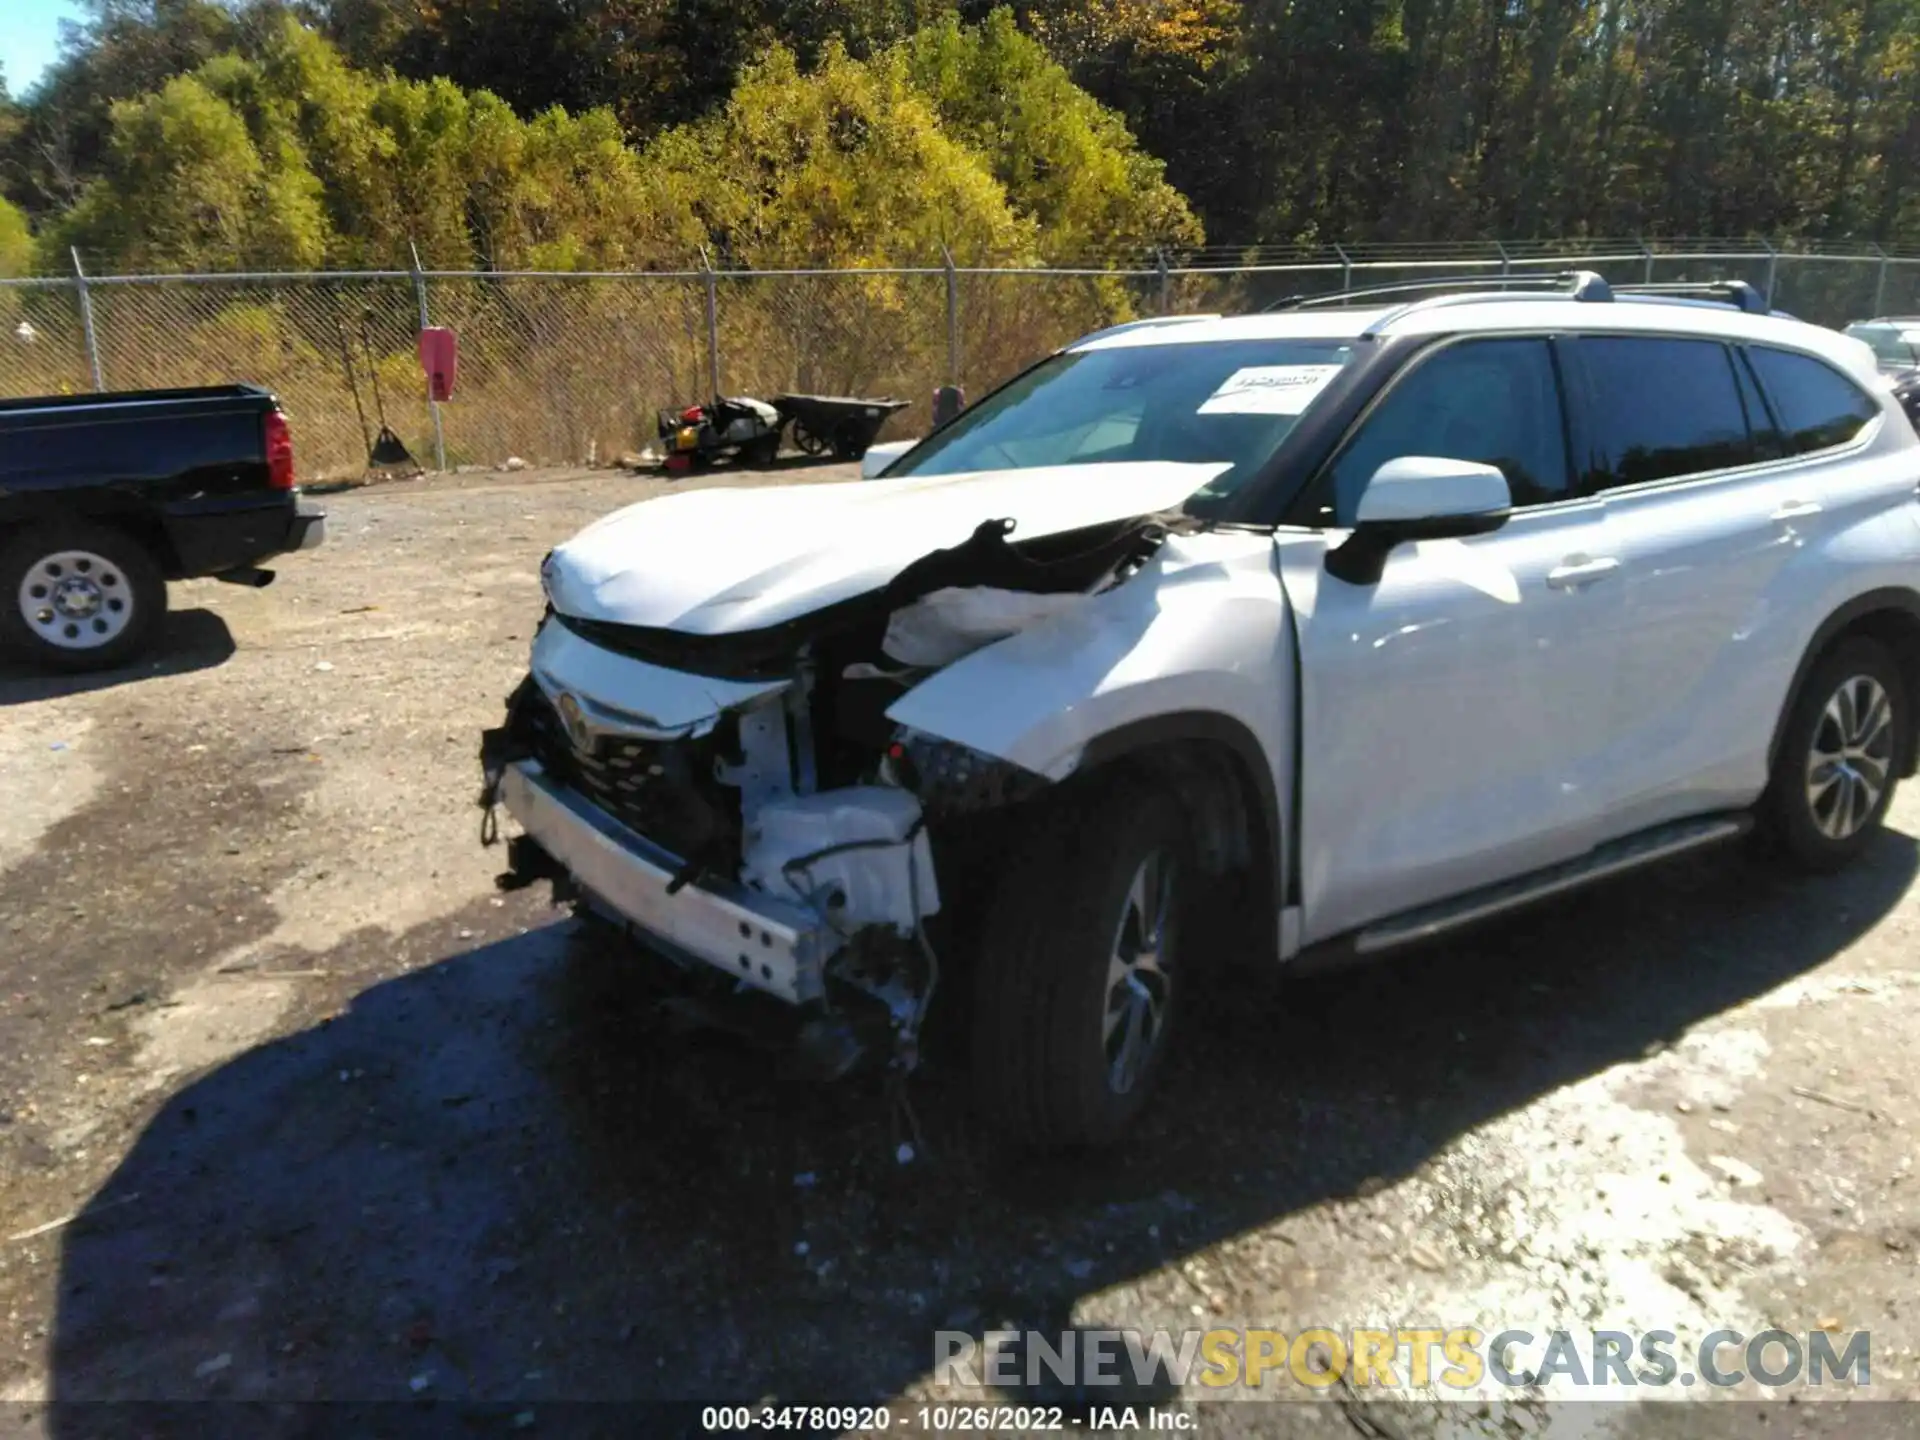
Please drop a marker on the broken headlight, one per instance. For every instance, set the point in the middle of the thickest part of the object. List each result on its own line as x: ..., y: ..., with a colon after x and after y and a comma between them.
x: 954, y: 779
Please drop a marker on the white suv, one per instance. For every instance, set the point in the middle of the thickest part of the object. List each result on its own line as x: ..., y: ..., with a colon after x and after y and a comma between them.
x: 1370, y: 619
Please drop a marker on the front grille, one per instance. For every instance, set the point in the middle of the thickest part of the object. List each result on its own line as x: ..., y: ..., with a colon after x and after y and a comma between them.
x: 663, y: 790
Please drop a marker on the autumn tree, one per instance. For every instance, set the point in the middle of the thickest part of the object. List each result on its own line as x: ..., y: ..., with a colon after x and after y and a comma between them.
x: 1066, y: 162
x: 847, y: 165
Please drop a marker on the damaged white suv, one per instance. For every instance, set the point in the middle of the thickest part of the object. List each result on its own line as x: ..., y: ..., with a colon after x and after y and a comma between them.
x: 1368, y: 619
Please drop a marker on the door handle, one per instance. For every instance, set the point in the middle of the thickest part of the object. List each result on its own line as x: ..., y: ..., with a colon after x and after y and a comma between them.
x: 1797, y: 510
x: 1571, y: 574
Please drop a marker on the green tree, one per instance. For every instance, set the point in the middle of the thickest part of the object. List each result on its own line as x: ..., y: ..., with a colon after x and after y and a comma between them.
x: 847, y: 165
x: 185, y: 188
x: 1064, y: 160
x: 16, y: 242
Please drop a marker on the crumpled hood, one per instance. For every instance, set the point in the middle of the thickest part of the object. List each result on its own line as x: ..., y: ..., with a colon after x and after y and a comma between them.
x: 710, y: 562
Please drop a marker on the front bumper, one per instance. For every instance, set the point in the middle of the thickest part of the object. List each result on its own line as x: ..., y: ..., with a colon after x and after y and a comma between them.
x: 777, y: 948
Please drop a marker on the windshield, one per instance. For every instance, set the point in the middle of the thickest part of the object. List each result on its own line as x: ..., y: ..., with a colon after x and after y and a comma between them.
x: 1225, y: 402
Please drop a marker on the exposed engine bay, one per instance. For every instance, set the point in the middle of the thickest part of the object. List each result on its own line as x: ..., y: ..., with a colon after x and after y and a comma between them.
x: 767, y: 776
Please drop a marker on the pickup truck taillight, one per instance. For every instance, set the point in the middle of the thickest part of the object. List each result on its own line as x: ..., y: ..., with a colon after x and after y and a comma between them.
x: 279, y: 452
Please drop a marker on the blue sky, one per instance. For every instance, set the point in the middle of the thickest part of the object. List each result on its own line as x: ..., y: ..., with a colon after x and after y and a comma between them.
x: 30, y: 38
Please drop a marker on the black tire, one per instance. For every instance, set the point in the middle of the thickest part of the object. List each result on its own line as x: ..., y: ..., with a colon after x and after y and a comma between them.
x: 1043, y: 1068
x: 761, y: 453
x: 1823, y: 833
x: 806, y: 442
x: 127, y: 596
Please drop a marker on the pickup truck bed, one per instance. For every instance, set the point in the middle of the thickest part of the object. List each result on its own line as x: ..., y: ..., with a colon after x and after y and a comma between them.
x: 105, y: 497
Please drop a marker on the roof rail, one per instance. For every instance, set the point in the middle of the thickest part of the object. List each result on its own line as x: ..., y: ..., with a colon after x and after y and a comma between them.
x: 1730, y: 292
x: 1576, y: 284
x: 1148, y: 323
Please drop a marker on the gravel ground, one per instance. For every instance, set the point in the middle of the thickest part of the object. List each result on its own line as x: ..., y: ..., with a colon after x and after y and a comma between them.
x: 344, y: 1122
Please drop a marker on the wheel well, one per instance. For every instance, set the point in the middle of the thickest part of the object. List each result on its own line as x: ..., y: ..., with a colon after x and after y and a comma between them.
x: 141, y: 525
x: 1220, y: 794
x: 144, y: 526
x: 1899, y: 631
x: 1894, y: 624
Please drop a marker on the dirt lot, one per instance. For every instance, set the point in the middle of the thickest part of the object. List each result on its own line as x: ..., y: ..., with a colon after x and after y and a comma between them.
x: 346, y: 1123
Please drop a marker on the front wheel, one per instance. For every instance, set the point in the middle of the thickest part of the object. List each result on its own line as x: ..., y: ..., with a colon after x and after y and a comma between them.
x: 1079, y: 967
x: 1835, y: 773
x: 78, y: 597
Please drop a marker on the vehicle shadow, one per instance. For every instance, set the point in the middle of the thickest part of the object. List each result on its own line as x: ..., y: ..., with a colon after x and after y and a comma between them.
x: 501, y: 1177
x: 190, y: 640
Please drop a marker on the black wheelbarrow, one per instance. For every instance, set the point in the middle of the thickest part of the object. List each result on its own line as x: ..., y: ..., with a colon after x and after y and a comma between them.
x: 844, y: 426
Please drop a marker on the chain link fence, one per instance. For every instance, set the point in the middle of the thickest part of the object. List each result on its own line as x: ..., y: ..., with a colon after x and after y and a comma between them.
x: 573, y: 368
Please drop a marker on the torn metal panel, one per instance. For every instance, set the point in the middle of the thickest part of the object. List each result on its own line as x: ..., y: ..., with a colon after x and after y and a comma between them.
x: 722, y: 562
x: 991, y: 556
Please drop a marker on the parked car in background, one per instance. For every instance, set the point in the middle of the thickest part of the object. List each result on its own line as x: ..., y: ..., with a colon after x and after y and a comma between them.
x: 1366, y: 619
x: 104, y: 498
x: 1894, y: 340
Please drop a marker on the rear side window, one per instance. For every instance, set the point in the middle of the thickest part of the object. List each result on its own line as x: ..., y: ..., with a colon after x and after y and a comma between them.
x: 1817, y: 405
x: 1664, y: 408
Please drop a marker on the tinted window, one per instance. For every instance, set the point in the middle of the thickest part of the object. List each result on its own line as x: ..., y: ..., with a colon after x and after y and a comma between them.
x: 1767, y: 444
x: 1818, y: 406
x: 1664, y: 408
x: 1496, y: 402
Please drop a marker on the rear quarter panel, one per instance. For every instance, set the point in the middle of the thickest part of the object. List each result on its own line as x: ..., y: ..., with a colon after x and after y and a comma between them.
x: 190, y: 473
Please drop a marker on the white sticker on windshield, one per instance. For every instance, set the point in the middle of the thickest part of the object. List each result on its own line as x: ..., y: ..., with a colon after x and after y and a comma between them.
x: 1269, y: 390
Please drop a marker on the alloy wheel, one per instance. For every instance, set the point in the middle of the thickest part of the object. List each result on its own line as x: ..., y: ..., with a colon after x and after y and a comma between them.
x: 1851, y: 757
x: 1139, y: 975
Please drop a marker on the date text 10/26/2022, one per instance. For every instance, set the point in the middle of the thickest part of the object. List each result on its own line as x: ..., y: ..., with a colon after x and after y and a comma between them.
x: 943, y: 1419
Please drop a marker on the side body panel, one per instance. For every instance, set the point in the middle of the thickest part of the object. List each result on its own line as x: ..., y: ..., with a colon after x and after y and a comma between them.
x: 1451, y: 714
x: 1198, y: 645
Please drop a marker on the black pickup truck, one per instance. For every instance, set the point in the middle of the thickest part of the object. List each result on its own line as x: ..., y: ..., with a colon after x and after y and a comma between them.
x: 104, y: 498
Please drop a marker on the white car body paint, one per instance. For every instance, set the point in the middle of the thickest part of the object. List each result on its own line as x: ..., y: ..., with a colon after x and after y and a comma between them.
x: 713, y: 561
x: 625, y: 696
x: 1202, y: 627
x: 1416, y: 486
x: 878, y: 457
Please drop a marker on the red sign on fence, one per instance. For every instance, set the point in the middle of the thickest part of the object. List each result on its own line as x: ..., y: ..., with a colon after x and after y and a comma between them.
x: 440, y: 358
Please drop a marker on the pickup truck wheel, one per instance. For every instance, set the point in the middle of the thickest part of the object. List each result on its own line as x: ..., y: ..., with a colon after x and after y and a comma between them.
x: 79, y: 597
x: 1079, y: 964
x: 1833, y: 778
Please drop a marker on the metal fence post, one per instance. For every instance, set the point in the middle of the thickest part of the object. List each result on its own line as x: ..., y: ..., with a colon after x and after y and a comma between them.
x: 86, y: 319
x: 1346, y: 268
x: 1166, y: 281
x: 1647, y: 251
x: 713, y: 322
x: 1773, y: 262
x: 1506, y: 260
x: 953, y: 317
x: 1880, y: 283
x: 433, y: 405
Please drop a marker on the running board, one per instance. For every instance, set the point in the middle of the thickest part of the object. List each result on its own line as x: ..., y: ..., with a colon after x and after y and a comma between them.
x: 1644, y: 848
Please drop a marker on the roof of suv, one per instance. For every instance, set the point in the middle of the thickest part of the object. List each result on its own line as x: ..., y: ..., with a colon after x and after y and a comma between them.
x: 1495, y: 312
